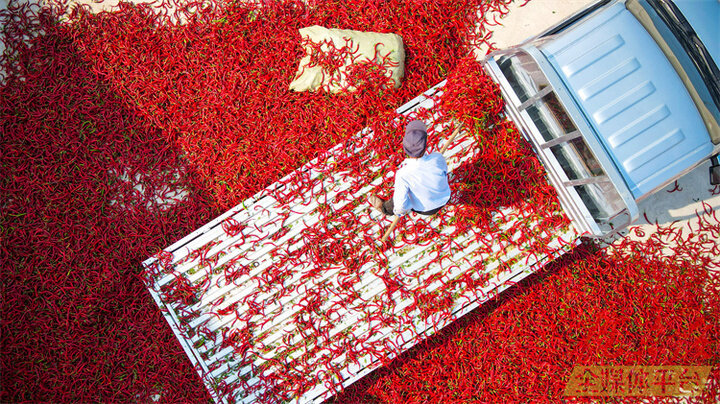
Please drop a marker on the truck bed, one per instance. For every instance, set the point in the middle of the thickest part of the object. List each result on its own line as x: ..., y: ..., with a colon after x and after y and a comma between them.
x: 280, y: 299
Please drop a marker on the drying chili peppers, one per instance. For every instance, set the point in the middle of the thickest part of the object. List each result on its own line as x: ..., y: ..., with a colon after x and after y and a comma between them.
x: 126, y: 130
x: 635, y: 303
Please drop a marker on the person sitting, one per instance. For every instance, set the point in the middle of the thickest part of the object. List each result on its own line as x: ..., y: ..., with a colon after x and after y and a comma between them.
x: 421, y: 182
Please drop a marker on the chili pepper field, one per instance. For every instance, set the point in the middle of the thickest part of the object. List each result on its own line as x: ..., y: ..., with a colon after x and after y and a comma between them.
x: 125, y: 130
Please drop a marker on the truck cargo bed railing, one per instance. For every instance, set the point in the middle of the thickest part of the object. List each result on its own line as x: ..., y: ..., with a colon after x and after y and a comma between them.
x: 263, y: 327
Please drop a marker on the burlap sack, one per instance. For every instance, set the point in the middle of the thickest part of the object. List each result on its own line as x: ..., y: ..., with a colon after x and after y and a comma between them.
x: 366, y: 46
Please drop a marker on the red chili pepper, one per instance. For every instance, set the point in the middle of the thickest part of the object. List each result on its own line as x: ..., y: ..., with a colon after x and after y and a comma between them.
x: 112, y: 114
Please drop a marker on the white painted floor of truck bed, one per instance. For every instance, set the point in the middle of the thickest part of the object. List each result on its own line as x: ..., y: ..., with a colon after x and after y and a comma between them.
x: 375, y: 316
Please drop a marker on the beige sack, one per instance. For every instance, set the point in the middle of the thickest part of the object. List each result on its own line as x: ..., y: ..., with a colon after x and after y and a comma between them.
x: 363, y: 46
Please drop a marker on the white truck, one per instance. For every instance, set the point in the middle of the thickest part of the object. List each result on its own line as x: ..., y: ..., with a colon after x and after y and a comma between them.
x: 618, y: 101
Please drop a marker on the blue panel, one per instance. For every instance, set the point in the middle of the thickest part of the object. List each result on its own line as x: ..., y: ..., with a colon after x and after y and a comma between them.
x: 632, y: 97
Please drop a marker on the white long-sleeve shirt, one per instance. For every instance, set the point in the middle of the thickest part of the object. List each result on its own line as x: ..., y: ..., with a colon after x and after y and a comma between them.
x: 421, y: 184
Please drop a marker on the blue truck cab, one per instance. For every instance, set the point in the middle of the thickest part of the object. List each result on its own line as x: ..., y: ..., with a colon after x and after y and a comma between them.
x: 618, y: 101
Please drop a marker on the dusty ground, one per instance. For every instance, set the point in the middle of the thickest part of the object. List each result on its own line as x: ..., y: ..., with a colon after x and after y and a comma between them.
x: 523, y: 22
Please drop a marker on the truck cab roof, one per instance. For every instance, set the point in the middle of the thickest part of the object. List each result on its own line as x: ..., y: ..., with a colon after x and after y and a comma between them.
x: 632, y: 96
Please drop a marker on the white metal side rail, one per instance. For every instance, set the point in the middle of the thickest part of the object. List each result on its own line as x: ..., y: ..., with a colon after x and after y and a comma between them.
x: 269, y: 316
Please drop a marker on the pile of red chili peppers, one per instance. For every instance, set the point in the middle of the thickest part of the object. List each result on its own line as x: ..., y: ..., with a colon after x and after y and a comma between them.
x: 124, y: 131
x: 636, y: 303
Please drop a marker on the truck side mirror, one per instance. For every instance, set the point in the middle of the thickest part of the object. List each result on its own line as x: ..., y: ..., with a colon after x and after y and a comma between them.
x: 715, y: 170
